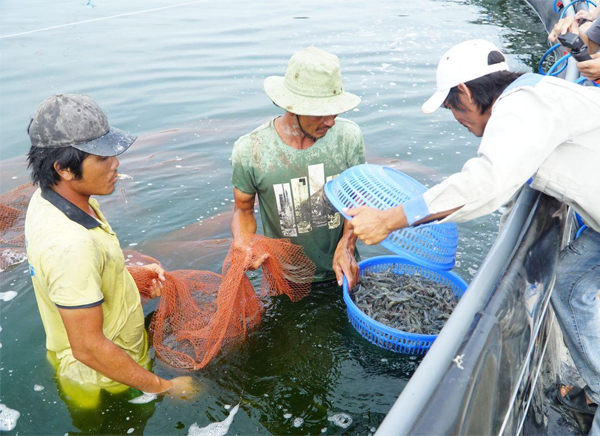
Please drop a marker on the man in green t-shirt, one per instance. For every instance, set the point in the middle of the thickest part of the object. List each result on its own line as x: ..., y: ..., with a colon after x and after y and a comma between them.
x: 288, y: 160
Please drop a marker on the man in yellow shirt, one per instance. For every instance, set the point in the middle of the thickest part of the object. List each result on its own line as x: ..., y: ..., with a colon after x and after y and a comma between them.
x: 88, y: 301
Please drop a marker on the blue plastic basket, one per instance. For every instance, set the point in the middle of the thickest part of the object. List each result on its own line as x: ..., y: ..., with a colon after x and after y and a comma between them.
x: 387, y: 337
x: 431, y: 245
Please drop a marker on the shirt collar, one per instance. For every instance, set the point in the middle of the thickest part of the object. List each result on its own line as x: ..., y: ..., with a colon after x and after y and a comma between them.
x: 527, y: 79
x: 69, y: 209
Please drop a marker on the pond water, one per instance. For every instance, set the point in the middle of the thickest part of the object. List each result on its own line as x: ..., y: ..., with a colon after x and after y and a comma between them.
x: 188, y: 80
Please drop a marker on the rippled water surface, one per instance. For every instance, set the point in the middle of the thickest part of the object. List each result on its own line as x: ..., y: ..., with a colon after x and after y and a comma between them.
x: 188, y: 80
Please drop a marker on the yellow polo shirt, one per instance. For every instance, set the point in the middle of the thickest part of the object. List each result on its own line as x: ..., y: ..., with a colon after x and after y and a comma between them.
x: 76, y: 262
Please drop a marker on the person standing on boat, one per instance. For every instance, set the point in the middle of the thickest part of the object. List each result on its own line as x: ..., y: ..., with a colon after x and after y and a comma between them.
x: 534, y: 129
x: 88, y: 301
x: 287, y: 161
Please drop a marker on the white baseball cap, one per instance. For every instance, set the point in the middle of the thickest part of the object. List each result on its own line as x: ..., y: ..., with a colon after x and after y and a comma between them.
x: 462, y: 63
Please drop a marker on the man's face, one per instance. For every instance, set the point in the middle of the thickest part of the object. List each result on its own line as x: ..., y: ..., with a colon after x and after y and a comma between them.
x: 317, y: 126
x: 469, y: 116
x: 99, y: 176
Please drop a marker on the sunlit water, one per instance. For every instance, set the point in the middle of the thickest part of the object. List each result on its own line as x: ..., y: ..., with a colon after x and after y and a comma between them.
x: 199, y: 69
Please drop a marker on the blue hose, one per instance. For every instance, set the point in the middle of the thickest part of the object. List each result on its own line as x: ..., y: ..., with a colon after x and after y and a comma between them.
x: 540, y: 65
x: 562, y: 14
x: 552, y: 71
x: 580, y: 231
x: 583, y: 80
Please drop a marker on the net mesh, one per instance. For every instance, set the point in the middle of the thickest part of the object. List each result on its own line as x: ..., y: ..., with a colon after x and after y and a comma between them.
x: 201, y: 312
x: 13, y: 206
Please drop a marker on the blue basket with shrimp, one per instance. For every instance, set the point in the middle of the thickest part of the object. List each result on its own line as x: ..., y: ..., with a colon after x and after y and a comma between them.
x: 432, y: 245
x: 387, y: 337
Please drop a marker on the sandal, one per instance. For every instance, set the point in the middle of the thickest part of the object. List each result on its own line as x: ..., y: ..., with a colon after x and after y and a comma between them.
x: 575, y: 400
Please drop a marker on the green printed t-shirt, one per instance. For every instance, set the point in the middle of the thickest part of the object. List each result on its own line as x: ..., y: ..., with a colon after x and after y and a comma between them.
x: 289, y: 183
x: 76, y: 262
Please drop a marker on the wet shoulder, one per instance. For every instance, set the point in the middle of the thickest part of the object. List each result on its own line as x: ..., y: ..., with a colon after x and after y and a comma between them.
x: 347, y: 126
x: 345, y: 132
x: 49, y: 229
x: 260, y: 134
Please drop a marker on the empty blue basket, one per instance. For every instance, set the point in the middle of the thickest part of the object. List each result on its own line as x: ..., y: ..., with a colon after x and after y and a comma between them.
x: 387, y: 337
x: 431, y: 245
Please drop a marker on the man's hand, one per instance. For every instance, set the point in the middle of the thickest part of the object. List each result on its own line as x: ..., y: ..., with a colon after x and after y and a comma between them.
x: 344, y: 263
x: 567, y: 24
x: 242, y: 250
x: 157, y: 283
x: 372, y: 225
x: 183, y: 387
x: 587, y: 15
x: 591, y: 68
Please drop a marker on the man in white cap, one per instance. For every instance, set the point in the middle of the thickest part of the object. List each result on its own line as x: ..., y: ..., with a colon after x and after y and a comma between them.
x: 534, y: 129
x: 88, y: 301
x: 287, y: 161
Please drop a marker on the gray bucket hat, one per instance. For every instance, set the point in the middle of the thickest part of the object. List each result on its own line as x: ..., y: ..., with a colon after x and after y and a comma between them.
x: 312, y: 85
x: 75, y: 120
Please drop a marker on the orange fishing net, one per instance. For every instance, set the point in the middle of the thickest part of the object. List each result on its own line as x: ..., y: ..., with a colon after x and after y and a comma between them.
x: 13, y: 206
x: 201, y: 312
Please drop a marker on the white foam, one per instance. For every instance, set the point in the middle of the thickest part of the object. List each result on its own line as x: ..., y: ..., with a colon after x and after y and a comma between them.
x: 287, y: 415
x: 130, y: 430
x: 11, y: 257
x: 144, y: 398
x: 298, y: 422
x: 341, y: 420
x: 8, y: 418
x: 8, y: 295
x: 38, y: 388
x: 216, y: 428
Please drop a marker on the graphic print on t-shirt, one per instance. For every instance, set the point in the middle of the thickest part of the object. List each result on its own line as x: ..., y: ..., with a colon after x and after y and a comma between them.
x: 301, y: 199
x: 283, y: 196
x: 307, y: 207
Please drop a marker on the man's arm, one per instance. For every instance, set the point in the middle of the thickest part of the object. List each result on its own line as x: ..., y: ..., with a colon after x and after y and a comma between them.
x: 93, y: 349
x: 373, y: 225
x: 344, y: 262
x: 244, y: 221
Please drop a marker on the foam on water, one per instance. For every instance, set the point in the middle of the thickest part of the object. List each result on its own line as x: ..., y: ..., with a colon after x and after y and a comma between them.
x: 11, y: 257
x: 8, y: 295
x: 8, y: 418
x: 342, y: 420
x: 298, y: 422
x: 38, y: 388
x: 144, y: 398
x: 216, y: 428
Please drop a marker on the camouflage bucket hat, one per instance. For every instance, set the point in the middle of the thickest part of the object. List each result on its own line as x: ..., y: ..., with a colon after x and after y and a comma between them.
x: 312, y: 85
x: 75, y: 120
